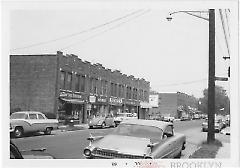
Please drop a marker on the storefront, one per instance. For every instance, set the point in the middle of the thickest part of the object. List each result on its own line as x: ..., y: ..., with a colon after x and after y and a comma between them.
x: 98, y: 105
x: 71, y: 105
x: 144, y: 110
x: 115, y: 105
x: 131, y: 106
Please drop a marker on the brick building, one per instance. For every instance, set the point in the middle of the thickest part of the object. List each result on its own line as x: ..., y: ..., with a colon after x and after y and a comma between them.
x: 68, y: 86
x: 175, y: 104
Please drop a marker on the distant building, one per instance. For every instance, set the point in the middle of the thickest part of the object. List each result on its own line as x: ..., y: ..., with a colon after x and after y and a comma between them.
x: 67, y: 86
x: 175, y: 104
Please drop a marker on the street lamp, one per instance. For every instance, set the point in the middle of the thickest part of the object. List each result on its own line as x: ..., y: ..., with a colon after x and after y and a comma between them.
x: 211, y: 76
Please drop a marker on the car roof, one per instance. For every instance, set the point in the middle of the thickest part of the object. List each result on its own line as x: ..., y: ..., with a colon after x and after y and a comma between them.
x: 36, y: 112
x: 155, y: 123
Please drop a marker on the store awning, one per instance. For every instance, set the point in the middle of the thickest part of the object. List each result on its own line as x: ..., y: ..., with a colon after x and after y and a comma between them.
x: 145, y: 105
x: 73, y: 101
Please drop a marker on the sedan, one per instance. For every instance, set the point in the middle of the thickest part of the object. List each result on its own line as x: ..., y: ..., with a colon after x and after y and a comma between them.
x: 137, y: 139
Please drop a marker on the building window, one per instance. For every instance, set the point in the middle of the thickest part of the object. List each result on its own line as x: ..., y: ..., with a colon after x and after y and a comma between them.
x: 141, y: 94
x: 115, y: 90
x: 91, y: 85
x: 112, y: 89
x: 105, y: 88
x: 69, y: 81
x: 146, y: 95
x: 129, y: 92
x: 82, y: 83
x: 77, y: 83
x: 95, y: 84
x: 62, y: 80
x: 134, y: 93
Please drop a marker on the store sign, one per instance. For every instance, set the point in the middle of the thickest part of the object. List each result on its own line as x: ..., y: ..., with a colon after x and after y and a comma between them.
x: 102, y: 99
x: 153, y: 100
x: 92, y: 99
x: 115, y: 100
x: 131, y: 102
x: 70, y: 95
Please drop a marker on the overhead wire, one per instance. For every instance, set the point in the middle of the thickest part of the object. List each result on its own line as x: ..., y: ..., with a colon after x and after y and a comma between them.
x: 105, y: 31
x: 224, y: 31
x: 81, y: 32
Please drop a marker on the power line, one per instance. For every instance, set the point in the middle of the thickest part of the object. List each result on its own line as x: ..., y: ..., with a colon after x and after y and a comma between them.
x: 227, y: 22
x: 81, y: 32
x: 224, y: 30
x: 105, y: 31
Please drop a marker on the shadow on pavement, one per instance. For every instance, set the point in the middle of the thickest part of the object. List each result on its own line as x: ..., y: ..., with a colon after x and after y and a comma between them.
x: 207, y: 150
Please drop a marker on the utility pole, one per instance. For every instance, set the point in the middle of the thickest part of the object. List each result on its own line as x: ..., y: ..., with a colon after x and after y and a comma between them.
x: 211, y: 78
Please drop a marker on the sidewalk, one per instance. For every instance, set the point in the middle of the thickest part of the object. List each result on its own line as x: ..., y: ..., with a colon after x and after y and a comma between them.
x: 219, y: 149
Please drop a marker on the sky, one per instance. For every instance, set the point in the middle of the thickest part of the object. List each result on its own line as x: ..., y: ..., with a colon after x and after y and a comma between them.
x: 171, y: 55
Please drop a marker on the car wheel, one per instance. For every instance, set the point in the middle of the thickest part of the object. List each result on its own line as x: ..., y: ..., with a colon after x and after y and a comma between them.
x: 114, y: 124
x: 103, y: 125
x: 18, y: 132
x: 48, y: 131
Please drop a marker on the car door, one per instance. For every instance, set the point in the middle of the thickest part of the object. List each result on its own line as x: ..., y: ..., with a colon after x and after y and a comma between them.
x: 109, y: 120
x: 41, y: 122
x: 169, y: 144
x: 33, y: 120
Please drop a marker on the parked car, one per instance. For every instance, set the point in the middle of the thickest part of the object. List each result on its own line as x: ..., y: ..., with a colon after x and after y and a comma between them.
x: 29, y: 154
x: 168, y: 119
x: 137, y: 139
x: 218, y: 125
x: 31, y: 121
x: 123, y: 116
x: 102, y: 121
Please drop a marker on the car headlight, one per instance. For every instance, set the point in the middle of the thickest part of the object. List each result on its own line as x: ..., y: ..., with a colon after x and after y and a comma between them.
x: 87, y: 152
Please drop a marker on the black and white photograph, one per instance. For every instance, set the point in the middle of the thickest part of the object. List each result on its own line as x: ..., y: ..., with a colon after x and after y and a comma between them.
x: 120, y: 84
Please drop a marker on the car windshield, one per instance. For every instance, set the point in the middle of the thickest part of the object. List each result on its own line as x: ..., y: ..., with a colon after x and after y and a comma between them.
x: 142, y: 131
x: 18, y: 116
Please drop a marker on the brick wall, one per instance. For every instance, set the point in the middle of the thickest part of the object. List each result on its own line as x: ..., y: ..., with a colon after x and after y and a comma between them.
x: 32, y: 82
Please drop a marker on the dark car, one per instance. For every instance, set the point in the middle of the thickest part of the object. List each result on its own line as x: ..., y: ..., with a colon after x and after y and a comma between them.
x: 29, y: 154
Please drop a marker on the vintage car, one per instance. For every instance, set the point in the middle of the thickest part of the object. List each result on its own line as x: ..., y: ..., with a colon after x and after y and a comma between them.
x: 31, y: 121
x: 29, y: 154
x: 102, y: 121
x: 137, y: 139
x: 218, y: 125
x: 123, y: 116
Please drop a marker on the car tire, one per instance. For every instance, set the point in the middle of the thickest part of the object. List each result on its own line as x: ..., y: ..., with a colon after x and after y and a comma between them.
x: 90, y: 127
x: 18, y: 132
x: 114, y: 125
x: 103, y: 125
x: 48, y: 131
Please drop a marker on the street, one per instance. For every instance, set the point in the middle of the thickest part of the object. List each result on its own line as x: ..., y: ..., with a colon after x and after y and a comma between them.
x: 70, y: 145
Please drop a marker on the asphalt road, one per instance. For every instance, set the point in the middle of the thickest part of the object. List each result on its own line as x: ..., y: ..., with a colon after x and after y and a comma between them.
x: 70, y: 145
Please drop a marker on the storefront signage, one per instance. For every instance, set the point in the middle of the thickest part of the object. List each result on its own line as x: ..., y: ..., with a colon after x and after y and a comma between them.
x: 92, y: 99
x: 101, y: 99
x: 131, y: 102
x: 64, y: 94
x: 115, y: 100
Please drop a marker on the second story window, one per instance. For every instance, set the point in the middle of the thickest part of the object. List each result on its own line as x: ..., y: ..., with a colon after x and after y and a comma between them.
x: 69, y: 81
x: 82, y: 83
x: 62, y: 80
x: 77, y: 83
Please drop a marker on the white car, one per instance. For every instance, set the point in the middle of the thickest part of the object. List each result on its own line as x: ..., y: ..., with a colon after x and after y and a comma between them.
x: 31, y: 121
x: 124, y: 116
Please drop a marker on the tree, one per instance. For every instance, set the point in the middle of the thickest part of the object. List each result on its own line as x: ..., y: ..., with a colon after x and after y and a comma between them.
x: 222, y: 102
